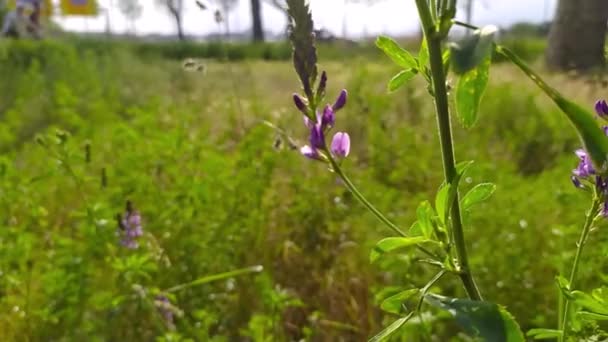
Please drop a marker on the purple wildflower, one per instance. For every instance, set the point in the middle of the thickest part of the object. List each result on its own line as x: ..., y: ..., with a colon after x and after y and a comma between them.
x: 601, y: 108
x: 321, y: 124
x: 130, y: 227
x: 340, y: 144
x: 299, y: 102
x: 163, y: 305
x: 328, y: 118
x: 309, y: 152
x: 585, y: 167
x: 317, y: 137
x: 340, y: 101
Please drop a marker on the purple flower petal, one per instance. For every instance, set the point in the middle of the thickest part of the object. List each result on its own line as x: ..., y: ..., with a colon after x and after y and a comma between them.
x: 328, y: 118
x: 340, y: 101
x: 309, y: 152
x: 317, y: 137
x: 299, y: 102
x: 601, y: 108
x: 340, y: 144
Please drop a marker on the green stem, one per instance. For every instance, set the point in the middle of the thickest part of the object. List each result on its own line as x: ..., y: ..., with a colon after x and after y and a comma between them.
x: 362, y: 199
x: 445, y: 135
x: 353, y: 189
x: 591, y: 215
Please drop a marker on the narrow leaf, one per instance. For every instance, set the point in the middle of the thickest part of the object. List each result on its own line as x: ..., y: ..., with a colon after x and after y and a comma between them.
x: 593, y: 137
x: 589, y: 302
x: 544, y: 334
x: 216, y: 277
x: 401, y: 57
x: 469, y: 91
x: 393, y: 304
x: 424, y: 214
x: 441, y: 201
x: 391, y: 329
x: 392, y: 243
x: 401, y: 78
x: 592, y: 316
x: 478, y: 194
x: 423, y: 55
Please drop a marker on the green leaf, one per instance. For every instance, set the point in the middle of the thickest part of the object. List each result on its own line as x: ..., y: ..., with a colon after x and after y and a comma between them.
x: 401, y: 78
x: 415, y: 229
x: 478, y: 194
x: 469, y: 91
x: 589, y: 302
x: 401, y: 57
x: 478, y: 318
x: 592, y: 316
x: 392, y: 243
x: 425, y: 214
x: 441, y: 201
x: 472, y: 50
x: 423, y: 55
x: 593, y: 137
x: 543, y: 334
x: 216, y: 277
x: 393, y: 303
x: 463, y: 166
x: 391, y: 329
x: 514, y: 333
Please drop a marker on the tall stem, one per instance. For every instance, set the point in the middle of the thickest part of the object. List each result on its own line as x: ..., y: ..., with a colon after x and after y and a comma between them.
x: 577, y: 257
x: 445, y: 135
x: 353, y: 189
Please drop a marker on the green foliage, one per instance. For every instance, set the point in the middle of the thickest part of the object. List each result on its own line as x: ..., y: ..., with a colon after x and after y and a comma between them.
x: 469, y: 92
x: 484, y: 319
x: 187, y: 148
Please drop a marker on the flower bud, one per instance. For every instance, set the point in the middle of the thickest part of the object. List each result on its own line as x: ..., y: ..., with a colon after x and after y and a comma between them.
x: 340, y: 144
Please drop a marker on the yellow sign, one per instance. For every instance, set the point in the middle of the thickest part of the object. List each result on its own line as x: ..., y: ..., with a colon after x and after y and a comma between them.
x: 46, y: 9
x: 79, y: 7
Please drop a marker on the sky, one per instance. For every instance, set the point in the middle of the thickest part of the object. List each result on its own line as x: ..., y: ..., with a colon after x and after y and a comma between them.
x: 393, y: 17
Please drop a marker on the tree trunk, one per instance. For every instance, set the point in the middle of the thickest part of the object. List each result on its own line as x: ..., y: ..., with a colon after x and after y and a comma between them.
x: 256, y: 15
x: 178, y: 22
x: 578, y: 34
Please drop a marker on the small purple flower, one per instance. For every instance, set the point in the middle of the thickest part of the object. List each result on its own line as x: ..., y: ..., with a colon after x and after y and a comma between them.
x: 317, y: 137
x: 328, y: 118
x: 309, y: 152
x: 340, y: 101
x: 300, y: 104
x: 130, y: 229
x: 601, y: 108
x: 164, y: 308
x: 322, y: 84
x: 585, y: 167
x: 340, y: 144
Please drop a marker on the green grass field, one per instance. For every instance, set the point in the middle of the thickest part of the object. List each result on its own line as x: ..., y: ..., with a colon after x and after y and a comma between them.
x: 83, y: 130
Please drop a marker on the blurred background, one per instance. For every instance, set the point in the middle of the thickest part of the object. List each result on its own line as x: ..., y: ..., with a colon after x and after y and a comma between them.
x: 151, y: 188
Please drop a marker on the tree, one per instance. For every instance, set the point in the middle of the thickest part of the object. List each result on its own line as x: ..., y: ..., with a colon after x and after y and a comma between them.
x: 256, y: 16
x: 132, y: 10
x: 577, y: 36
x: 176, y: 9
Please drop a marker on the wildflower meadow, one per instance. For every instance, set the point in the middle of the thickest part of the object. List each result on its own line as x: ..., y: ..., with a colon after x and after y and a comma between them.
x: 446, y: 187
